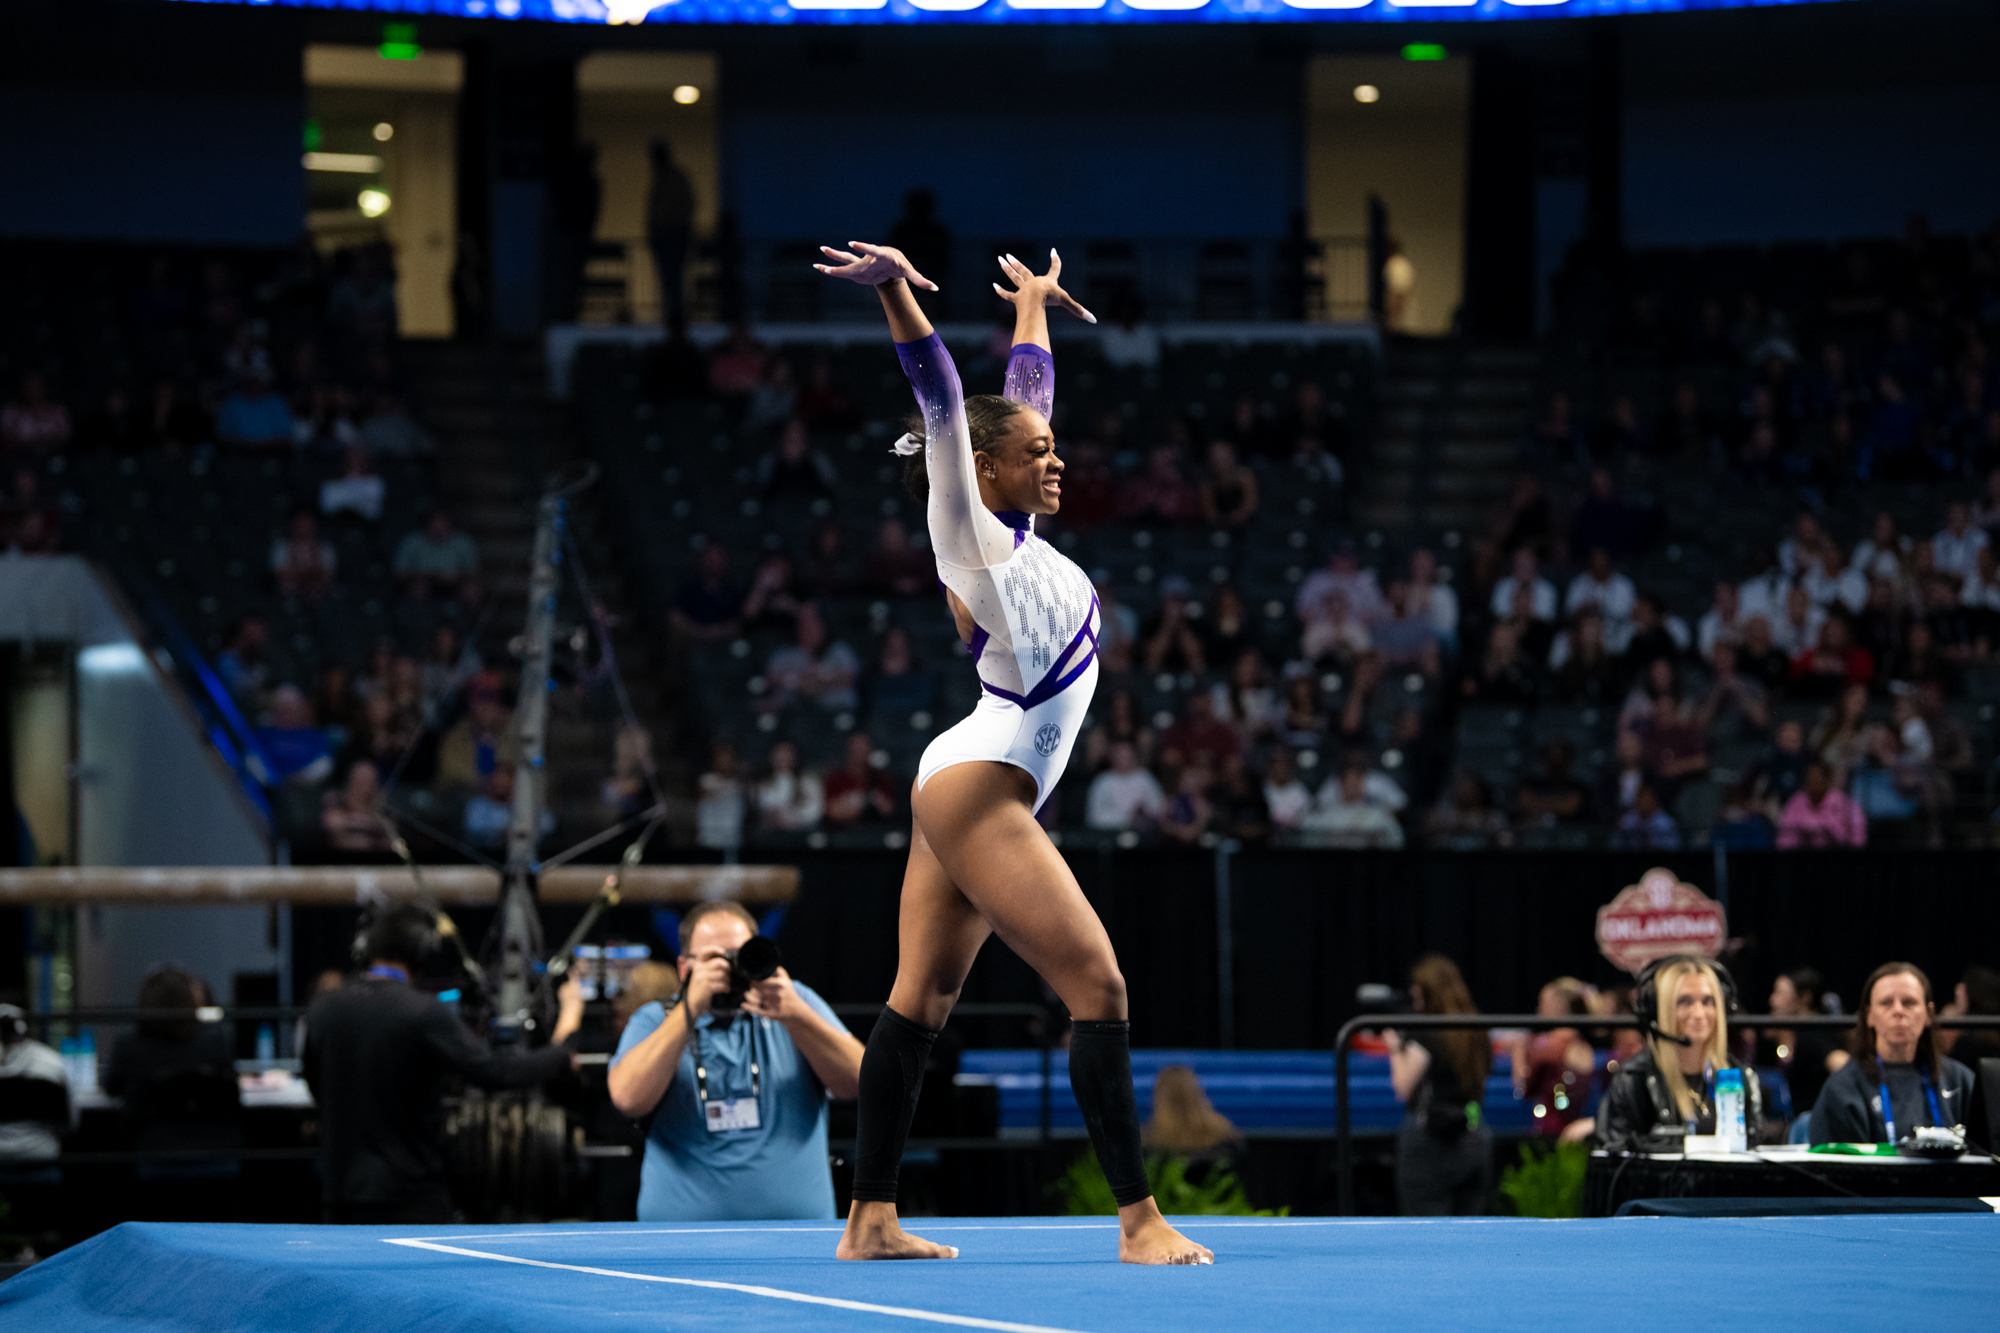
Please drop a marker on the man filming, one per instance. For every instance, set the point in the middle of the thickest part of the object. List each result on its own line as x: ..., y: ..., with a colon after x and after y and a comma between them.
x: 736, y: 1079
x: 376, y: 1053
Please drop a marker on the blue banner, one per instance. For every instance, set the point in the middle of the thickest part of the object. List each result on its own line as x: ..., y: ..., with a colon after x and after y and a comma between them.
x: 1017, y: 11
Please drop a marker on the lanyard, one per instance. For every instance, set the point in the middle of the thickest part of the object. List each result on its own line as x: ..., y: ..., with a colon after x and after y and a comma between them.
x: 1703, y: 1104
x: 1882, y: 1093
x: 701, y: 1065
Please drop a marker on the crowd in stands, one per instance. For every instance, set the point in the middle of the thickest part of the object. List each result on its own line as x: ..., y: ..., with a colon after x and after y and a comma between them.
x: 236, y: 433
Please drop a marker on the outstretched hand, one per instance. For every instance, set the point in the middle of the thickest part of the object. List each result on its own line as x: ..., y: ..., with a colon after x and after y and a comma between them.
x: 872, y: 265
x: 1047, y: 288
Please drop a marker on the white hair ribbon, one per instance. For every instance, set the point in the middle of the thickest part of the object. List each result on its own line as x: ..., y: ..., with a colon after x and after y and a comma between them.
x: 908, y: 445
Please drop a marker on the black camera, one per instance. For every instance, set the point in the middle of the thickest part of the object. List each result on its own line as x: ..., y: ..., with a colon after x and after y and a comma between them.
x: 756, y: 961
x: 1374, y: 997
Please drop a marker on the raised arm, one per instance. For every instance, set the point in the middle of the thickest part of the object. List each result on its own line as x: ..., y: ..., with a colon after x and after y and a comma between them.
x: 1031, y: 369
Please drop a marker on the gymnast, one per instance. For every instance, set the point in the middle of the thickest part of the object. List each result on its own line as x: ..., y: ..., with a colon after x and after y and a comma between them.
x: 979, y: 863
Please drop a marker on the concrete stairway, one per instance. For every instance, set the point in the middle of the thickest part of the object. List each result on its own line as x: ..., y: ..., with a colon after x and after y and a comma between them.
x: 1448, y: 433
x: 499, y: 435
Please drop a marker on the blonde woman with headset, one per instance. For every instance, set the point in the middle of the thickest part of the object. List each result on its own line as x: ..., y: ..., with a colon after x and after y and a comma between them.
x: 1685, y: 1002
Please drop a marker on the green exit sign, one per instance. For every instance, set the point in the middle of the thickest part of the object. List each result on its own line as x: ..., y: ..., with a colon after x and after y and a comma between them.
x: 1423, y: 51
x: 399, y: 42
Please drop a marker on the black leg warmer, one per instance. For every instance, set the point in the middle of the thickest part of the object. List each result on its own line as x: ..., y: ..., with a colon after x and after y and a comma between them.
x: 1100, y: 1075
x: 892, y: 1074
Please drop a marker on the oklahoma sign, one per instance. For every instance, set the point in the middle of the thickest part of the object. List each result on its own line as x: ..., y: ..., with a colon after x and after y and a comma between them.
x: 1657, y: 916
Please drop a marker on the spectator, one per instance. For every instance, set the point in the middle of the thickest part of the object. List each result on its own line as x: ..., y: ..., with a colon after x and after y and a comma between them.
x: 1121, y: 723
x: 1955, y: 549
x: 670, y: 204
x: 1832, y: 665
x: 1977, y: 995
x: 1188, y: 813
x: 737, y: 366
x: 775, y: 399
x: 1618, y: 789
x: 300, y: 753
x: 1184, y: 1122
x: 1335, y: 632
x: 1553, y: 797
x: 1721, y: 623
x: 1305, y: 712
x: 481, y: 741
x: 1761, y: 659
x: 376, y: 1054
x: 1161, y: 494
x: 861, y: 789
x: 816, y: 667
x: 831, y: 569
x: 388, y: 429
x: 34, y: 423
x: 1119, y: 636
x: 1343, y: 574
x: 1345, y: 817
x: 1505, y: 674
x: 1465, y: 818
x: 1608, y: 520
x: 1895, y: 1060
x: 826, y: 405
x: 1443, y: 1152
x: 1799, y: 554
x: 489, y: 812
x: 1608, y: 592
x: 1124, y: 796
x: 28, y: 526
x: 899, y: 687
x: 438, y: 560
x: 36, y: 1087
x: 303, y: 563
x: 1542, y: 593
x: 1556, y: 440
x: 1169, y: 641
x: 1742, y: 824
x: 795, y: 468
x: 1127, y: 341
x: 1228, y: 490
x: 1646, y: 827
x: 449, y: 666
x: 1663, y: 1085
x: 1734, y: 702
x: 1199, y: 737
x: 1227, y: 631
x: 1553, y: 1070
x: 789, y: 801
x: 1529, y: 520
x: 1833, y: 585
x: 773, y: 603
x: 240, y: 665
x: 897, y: 568
x: 1586, y: 669
x: 1783, y: 771
x: 1407, y: 635
x: 1656, y: 635
x: 1286, y: 798
x: 629, y: 789
x: 253, y: 415
x: 719, y: 803
x: 1841, y: 735
x: 1820, y: 815
x: 1246, y: 700
x: 1430, y: 597
x: 1237, y: 803
x: 706, y: 605
x: 1884, y: 552
x: 358, y: 490
x: 350, y: 817
x: 382, y: 737
x: 1764, y: 592
x: 688, y: 1066
x: 1890, y: 784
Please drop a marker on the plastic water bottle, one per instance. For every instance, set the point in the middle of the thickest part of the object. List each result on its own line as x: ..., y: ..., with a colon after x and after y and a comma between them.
x: 1729, y: 1124
x: 86, y: 1062
x: 267, y: 1043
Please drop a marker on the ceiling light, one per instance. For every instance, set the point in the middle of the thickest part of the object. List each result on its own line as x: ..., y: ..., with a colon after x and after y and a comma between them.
x: 1367, y: 92
x: 384, y: 132
x: 687, y: 94
x: 373, y: 203
x: 366, y: 164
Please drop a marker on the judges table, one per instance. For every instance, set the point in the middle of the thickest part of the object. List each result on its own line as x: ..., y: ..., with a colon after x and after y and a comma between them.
x: 1780, y: 1171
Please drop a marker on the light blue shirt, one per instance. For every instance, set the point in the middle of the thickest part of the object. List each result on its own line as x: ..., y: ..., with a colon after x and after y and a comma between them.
x: 777, y: 1171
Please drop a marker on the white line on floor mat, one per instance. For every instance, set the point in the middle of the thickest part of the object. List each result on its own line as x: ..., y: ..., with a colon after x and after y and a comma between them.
x: 920, y: 1226
x: 774, y: 1293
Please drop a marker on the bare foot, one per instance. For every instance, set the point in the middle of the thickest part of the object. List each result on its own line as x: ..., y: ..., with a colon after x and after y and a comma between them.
x: 874, y: 1232
x: 1145, y: 1238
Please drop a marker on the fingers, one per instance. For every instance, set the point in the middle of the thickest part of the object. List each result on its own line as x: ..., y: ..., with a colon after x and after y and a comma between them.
x: 1071, y: 304
x: 1004, y: 294
x: 842, y: 255
x: 1055, y: 263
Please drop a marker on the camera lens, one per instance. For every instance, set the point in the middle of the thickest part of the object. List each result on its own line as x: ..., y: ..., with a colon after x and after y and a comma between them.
x: 758, y: 958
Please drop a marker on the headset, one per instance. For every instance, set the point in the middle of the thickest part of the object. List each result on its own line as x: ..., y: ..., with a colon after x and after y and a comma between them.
x: 1646, y: 995
x: 13, y: 1023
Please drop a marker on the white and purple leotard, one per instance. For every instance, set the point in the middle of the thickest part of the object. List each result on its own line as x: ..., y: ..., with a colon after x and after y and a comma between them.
x: 1036, y: 615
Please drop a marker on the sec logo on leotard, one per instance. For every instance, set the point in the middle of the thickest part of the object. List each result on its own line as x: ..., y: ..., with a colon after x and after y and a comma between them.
x: 1047, y: 739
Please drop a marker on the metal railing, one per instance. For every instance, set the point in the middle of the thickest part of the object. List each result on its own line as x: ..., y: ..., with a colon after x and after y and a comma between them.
x: 1343, y: 1042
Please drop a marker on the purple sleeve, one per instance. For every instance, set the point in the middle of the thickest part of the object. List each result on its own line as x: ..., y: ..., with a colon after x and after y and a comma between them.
x: 932, y: 375
x: 1031, y: 377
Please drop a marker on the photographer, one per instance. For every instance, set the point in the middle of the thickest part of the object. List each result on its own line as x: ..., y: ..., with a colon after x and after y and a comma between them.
x: 1896, y: 1081
x: 376, y: 1054
x: 738, y: 1099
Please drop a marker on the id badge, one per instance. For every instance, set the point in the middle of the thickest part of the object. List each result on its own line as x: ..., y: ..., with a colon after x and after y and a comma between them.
x: 732, y: 1114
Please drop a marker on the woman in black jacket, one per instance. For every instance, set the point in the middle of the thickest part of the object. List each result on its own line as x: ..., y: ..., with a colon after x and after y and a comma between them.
x: 1896, y: 1081
x: 1672, y: 1081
